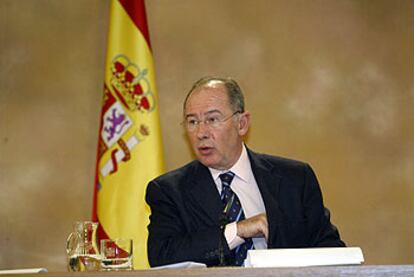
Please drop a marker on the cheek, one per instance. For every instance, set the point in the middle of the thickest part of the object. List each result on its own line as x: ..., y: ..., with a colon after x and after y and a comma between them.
x: 227, y: 137
x: 222, y: 140
x: 192, y: 139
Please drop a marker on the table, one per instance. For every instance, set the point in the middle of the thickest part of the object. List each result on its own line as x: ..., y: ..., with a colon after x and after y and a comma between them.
x: 362, y: 270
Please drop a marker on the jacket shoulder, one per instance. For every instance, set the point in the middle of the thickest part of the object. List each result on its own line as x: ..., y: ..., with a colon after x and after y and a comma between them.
x: 282, y: 163
x: 177, y: 176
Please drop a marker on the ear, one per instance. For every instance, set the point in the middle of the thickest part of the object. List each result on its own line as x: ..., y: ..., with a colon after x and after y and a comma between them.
x: 244, y: 123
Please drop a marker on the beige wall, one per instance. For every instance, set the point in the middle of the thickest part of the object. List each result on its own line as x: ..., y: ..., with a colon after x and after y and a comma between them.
x: 328, y: 82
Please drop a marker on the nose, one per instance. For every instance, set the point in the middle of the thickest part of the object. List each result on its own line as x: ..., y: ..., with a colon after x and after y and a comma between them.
x: 202, y: 131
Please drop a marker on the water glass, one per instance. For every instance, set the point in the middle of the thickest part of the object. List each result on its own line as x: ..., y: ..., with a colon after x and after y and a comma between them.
x: 116, y: 254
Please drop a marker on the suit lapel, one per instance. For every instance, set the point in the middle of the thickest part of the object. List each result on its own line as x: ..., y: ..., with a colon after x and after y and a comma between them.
x: 203, y: 193
x: 268, y: 181
x: 204, y: 197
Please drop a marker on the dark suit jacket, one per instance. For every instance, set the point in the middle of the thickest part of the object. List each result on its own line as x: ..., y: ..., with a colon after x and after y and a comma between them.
x: 186, y: 210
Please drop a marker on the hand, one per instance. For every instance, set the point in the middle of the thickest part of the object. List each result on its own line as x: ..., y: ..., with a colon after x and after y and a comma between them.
x: 255, y: 226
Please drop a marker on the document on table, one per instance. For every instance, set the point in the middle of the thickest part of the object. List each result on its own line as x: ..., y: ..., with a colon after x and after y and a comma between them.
x: 23, y: 271
x: 300, y: 257
x: 181, y: 265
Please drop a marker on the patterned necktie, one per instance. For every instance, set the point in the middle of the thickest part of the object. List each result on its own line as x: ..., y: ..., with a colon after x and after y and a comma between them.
x: 234, y: 212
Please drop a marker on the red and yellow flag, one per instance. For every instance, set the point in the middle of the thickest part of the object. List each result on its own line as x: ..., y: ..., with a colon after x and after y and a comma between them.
x: 130, y: 147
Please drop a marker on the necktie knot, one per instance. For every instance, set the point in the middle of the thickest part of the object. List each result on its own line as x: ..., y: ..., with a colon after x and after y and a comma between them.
x: 226, y: 178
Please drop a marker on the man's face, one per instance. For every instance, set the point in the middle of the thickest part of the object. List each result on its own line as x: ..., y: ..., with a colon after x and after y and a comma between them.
x: 215, y: 145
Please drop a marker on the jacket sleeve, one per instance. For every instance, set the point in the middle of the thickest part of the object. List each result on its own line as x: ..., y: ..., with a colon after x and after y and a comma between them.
x: 322, y: 232
x: 173, y: 238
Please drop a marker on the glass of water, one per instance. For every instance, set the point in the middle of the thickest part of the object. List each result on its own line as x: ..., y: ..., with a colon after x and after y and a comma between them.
x: 116, y: 254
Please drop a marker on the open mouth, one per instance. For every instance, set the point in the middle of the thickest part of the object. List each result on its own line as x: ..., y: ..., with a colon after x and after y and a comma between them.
x: 205, y: 150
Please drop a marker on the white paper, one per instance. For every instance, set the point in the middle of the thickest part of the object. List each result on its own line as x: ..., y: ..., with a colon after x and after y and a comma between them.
x: 300, y: 257
x: 23, y: 271
x: 181, y: 265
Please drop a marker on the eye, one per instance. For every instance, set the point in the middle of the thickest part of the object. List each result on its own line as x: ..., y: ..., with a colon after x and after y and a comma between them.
x: 192, y: 122
x: 212, y: 120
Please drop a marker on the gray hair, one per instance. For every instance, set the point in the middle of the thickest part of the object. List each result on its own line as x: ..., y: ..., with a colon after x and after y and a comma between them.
x: 234, y: 92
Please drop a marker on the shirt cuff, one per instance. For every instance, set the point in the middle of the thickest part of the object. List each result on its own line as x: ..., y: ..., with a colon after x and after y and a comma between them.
x: 230, y: 233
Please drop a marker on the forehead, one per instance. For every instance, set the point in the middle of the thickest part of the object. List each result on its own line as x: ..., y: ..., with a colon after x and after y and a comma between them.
x: 207, y: 98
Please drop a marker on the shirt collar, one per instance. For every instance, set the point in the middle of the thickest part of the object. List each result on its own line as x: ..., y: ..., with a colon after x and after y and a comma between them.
x: 241, y: 168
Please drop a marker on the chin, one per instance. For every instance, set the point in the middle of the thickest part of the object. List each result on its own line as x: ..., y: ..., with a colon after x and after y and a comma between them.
x: 208, y: 162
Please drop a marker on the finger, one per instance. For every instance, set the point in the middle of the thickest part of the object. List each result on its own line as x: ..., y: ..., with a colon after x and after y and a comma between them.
x: 266, y: 234
x: 266, y: 228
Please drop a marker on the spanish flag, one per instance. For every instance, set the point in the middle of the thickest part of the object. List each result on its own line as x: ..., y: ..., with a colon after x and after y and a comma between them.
x: 129, y: 147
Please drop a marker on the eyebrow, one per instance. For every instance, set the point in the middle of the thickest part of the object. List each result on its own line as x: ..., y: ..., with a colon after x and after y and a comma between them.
x: 206, y: 113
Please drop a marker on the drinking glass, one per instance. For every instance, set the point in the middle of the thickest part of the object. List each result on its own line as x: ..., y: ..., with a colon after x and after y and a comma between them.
x: 116, y: 254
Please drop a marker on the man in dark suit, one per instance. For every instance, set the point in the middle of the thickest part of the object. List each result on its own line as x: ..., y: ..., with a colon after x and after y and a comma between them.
x: 231, y: 199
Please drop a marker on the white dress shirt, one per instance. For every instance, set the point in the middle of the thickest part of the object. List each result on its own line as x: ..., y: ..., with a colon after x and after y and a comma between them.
x: 245, y: 187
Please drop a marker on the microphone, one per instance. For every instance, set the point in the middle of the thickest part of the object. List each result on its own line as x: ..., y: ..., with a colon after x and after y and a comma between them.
x: 222, y: 222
